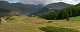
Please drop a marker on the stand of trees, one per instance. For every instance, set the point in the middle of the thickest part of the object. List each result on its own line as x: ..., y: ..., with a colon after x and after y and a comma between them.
x: 71, y: 11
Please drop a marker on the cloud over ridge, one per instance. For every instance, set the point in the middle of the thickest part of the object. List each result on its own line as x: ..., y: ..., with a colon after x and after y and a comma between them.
x: 44, y: 1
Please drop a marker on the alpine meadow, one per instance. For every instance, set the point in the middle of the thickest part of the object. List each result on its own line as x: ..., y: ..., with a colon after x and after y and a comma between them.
x: 39, y: 16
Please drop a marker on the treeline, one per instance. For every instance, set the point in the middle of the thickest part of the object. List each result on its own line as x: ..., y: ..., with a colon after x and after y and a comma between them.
x: 71, y: 11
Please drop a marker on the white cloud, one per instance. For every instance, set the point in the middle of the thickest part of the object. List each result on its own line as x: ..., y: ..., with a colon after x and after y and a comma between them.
x: 45, y: 1
x: 71, y: 1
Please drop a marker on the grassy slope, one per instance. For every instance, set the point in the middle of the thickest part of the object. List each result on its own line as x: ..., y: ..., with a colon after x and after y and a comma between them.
x: 31, y: 24
x: 77, y: 18
x: 20, y: 24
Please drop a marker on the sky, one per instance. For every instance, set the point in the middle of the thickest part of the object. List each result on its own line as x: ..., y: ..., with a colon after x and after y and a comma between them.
x: 43, y: 1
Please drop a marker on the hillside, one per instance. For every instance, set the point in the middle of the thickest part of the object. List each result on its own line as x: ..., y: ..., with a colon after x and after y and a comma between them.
x: 23, y: 9
x: 6, y: 9
x: 20, y: 24
x: 52, y: 8
x: 58, y: 6
x: 27, y: 9
x: 32, y: 24
x: 65, y: 17
x: 31, y: 9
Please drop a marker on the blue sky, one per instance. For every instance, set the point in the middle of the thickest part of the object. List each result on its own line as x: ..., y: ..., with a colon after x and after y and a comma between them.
x: 44, y: 1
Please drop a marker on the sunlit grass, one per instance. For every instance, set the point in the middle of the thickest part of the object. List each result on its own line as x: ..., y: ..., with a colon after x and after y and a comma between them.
x: 32, y: 24
x: 77, y: 18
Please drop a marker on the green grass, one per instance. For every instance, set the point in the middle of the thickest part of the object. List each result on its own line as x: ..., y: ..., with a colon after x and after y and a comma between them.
x: 19, y: 24
x: 77, y: 18
x: 57, y: 29
x: 28, y: 24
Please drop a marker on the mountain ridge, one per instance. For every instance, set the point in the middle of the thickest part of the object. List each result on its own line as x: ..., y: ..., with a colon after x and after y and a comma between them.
x: 53, y: 7
x: 31, y: 9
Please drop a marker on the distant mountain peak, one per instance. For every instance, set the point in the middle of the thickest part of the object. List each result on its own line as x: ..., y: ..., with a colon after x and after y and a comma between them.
x: 58, y: 5
x: 4, y: 2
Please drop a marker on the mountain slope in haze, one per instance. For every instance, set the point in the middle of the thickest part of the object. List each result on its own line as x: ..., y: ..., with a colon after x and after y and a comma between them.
x: 6, y: 9
x: 31, y: 9
x: 53, y: 7
x: 27, y: 9
x: 58, y: 6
